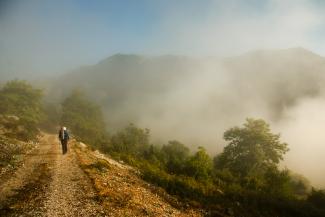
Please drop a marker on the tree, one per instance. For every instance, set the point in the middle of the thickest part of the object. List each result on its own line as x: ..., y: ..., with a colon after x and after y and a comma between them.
x: 252, y: 149
x: 20, y: 99
x: 84, y: 118
x: 199, y: 165
x: 317, y: 198
x: 175, y: 154
x: 131, y: 140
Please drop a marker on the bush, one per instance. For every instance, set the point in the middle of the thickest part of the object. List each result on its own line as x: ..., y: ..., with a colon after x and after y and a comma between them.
x: 174, y: 156
x: 317, y: 198
x: 199, y: 165
x: 131, y: 140
x: 187, y: 188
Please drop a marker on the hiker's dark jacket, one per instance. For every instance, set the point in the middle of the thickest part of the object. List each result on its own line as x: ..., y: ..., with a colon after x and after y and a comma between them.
x: 64, y: 136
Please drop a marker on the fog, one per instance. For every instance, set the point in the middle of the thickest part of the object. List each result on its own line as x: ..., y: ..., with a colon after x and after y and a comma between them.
x: 194, y: 100
x: 231, y: 62
x: 303, y: 129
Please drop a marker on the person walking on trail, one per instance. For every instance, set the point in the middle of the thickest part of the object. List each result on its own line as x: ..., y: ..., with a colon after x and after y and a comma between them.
x: 64, y: 138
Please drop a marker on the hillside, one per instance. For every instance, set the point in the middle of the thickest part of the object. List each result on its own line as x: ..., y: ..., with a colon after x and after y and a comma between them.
x: 81, y: 183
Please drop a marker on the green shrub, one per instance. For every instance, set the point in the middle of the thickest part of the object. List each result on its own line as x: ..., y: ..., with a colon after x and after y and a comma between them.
x: 174, y: 156
x: 199, y: 165
x: 317, y: 198
x: 131, y: 140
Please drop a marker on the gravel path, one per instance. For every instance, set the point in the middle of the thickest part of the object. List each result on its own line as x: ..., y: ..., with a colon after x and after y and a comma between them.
x: 49, y: 184
x: 80, y: 183
x: 71, y: 192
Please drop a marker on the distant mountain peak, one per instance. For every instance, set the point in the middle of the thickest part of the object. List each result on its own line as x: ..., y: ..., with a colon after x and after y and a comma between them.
x: 119, y: 57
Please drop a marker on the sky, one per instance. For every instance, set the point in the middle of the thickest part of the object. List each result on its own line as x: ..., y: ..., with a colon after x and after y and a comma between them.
x: 55, y: 36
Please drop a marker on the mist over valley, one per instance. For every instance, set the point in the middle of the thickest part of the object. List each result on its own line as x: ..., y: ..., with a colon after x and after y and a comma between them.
x: 194, y: 100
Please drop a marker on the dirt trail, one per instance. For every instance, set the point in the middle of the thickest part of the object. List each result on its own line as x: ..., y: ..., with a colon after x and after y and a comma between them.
x: 71, y: 192
x: 49, y: 184
x: 80, y: 183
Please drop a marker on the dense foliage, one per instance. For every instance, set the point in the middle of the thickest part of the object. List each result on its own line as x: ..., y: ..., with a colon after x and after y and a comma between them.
x: 23, y: 102
x: 252, y: 149
x: 174, y: 156
x: 131, y: 140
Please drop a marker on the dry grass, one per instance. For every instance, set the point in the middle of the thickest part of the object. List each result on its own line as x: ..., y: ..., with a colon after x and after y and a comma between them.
x: 121, y: 190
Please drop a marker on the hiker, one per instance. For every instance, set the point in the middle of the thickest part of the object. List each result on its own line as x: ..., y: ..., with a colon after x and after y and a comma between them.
x: 64, y: 137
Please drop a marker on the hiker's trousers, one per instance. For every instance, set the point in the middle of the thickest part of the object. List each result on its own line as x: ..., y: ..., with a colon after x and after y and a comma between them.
x: 64, y: 144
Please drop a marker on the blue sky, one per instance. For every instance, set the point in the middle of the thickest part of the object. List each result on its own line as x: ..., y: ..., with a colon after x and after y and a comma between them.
x: 59, y: 35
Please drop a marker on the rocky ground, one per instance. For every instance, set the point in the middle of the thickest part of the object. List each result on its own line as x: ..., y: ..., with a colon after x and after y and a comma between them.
x: 80, y: 183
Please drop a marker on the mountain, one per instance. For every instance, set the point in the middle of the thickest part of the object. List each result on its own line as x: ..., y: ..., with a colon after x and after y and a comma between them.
x: 195, y: 99
x: 128, y: 79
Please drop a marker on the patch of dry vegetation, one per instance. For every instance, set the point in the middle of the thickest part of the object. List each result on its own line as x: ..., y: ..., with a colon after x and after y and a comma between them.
x: 123, y: 193
x: 11, y: 149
